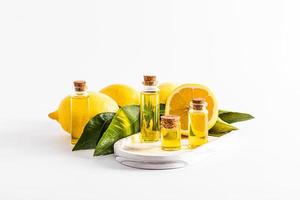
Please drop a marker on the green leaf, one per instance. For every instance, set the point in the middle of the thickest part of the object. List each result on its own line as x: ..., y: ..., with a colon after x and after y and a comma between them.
x: 124, y: 123
x: 93, y: 131
x: 220, y: 128
x: 223, y: 111
x: 232, y: 117
x: 162, y: 109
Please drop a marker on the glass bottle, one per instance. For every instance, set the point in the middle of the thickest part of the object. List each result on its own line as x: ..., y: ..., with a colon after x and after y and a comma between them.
x: 198, y: 123
x: 171, y: 132
x: 80, y: 106
x: 150, y: 111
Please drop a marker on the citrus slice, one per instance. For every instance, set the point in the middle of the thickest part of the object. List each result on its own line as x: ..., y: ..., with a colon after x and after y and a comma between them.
x: 179, y: 100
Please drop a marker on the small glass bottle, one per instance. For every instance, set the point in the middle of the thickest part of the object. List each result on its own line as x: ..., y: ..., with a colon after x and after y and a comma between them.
x: 171, y: 133
x: 198, y: 123
x: 80, y: 110
x: 150, y: 111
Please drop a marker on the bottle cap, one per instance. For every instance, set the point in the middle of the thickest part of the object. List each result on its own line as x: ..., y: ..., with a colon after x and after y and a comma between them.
x: 149, y: 80
x: 198, y: 103
x: 169, y: 121
x: 80, y: 85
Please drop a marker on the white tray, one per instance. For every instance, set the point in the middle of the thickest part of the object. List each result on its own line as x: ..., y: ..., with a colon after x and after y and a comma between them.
x: 130, y: 152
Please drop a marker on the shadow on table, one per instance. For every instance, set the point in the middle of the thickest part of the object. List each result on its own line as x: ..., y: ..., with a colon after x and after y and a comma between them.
x: 37, y: 138
x: 41, y: 138
x: 110, y: 162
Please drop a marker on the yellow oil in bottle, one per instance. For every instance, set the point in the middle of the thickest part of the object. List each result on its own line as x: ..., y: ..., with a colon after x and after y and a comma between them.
x: 198, y: 124
x: 170, y: 139
x: 171, y: 133
x: 150, y: 111
x: 79, y: 110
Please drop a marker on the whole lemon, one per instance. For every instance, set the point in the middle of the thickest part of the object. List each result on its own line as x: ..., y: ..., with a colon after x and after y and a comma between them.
x: 165, y: 90
x: 98, y: 103
x: 124, y: 95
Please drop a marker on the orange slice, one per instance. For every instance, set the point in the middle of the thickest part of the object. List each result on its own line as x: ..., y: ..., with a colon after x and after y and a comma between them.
x: 179, y: 100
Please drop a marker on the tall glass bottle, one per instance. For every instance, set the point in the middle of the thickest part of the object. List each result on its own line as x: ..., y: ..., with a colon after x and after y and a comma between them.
x: 150, y: 111
x: 80, y: 106
x: 198, y: 123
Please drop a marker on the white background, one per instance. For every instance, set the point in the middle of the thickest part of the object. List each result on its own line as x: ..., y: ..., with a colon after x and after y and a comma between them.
x: 247, y: 52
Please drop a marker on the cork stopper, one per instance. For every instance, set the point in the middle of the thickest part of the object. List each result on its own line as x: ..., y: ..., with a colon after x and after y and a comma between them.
x: 198, y: 103
x: 80, y: 85
x: 149, y: 80
x: 169, y: 121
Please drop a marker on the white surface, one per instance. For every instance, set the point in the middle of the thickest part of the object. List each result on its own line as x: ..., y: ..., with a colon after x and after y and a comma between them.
x: 131, y: 152
x: 246, y: 51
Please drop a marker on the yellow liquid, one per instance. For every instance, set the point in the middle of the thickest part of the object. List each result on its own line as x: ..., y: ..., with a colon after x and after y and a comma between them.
x: 171, y: 139
x: 198, y: 128
x: 79, y: 116
x: 150, y: 114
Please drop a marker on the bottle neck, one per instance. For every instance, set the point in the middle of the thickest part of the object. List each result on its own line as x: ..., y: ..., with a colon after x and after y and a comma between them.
x: 80, y: 93
x: 150, y: 88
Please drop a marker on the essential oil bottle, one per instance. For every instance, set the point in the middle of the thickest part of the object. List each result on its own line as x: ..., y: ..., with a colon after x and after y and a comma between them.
x: 149, y: 111
x: 80, y: 106
x: 198, y: 123
x: 170, y: 133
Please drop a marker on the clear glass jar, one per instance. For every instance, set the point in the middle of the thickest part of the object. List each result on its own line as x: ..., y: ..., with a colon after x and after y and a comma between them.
x: 197, y: 123
x: 170, y: 132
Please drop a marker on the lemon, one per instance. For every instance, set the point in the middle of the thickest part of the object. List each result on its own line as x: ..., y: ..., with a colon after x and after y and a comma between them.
x: 165, y: 89
x: 99, y: 103
x: 124, y: 95
x: 178, y: 103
